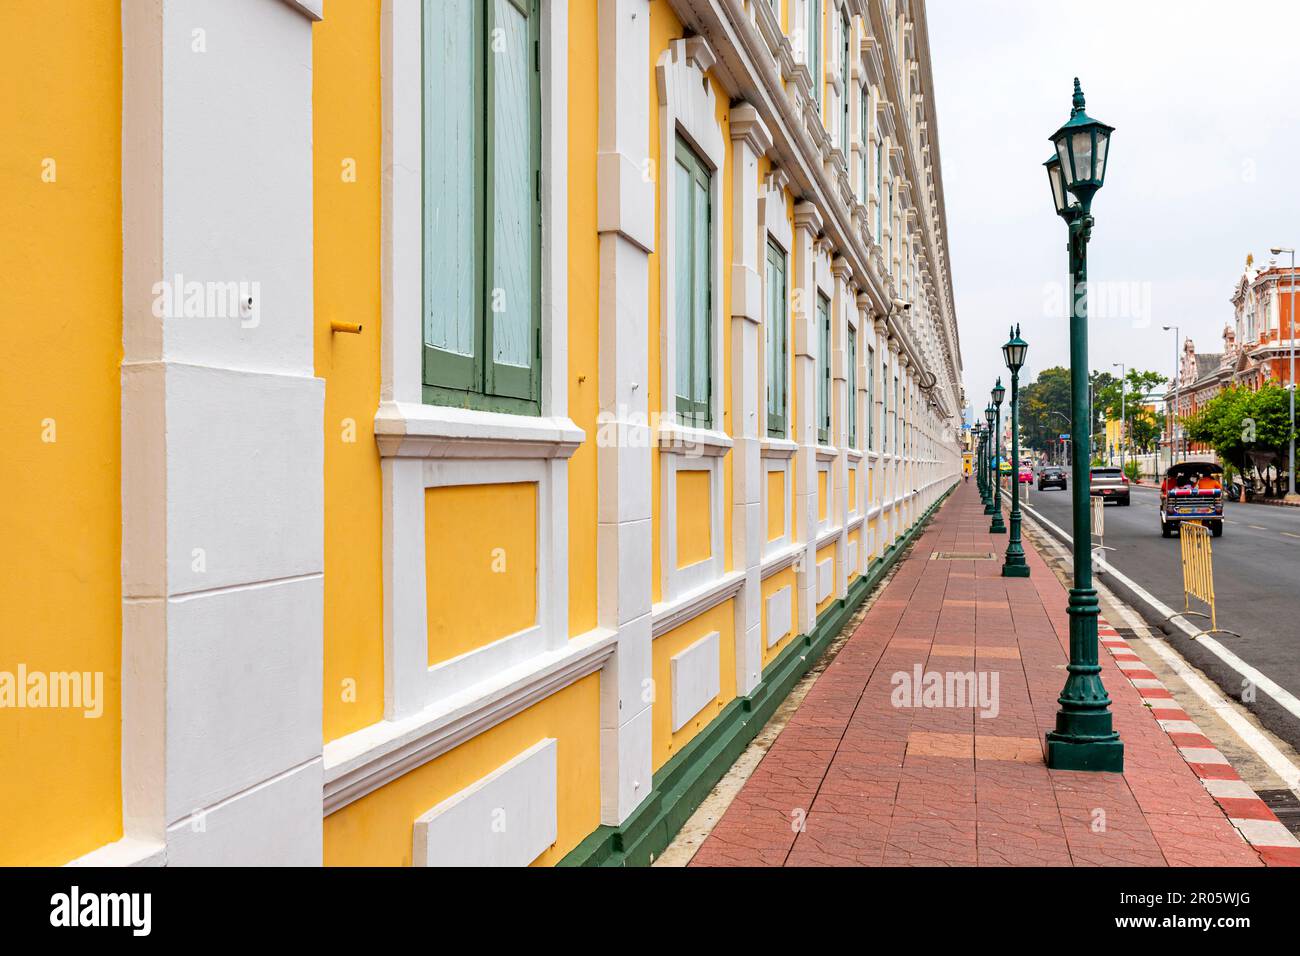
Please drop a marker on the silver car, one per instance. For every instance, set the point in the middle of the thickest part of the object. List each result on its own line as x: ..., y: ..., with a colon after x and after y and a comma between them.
x: 1108, y: 483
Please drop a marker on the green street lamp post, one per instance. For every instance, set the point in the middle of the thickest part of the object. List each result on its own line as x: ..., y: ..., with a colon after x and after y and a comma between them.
x: 1013, y: 564
x: 979, y: 460
x: 988, y: 460
x: 983, y: 467
x: 1084, y: 738
x: 996, y: 526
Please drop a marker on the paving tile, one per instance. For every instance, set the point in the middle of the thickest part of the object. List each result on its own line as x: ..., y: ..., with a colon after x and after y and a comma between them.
x: 855, y: 779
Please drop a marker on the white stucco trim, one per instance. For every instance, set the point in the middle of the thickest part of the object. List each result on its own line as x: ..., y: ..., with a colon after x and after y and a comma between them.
x: 678, y: 581
x: 365, y: 760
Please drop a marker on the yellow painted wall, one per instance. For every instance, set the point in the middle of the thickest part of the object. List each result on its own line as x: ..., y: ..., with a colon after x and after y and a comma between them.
x: 775, y: 504
x: 783, y: 578
x: 822, y: 554
x: 853, y: 484
x: 666, y: 646
x: 664, y: 27
x: 584, y: 278
x: 347, y: 218
x: 855, y: 535
x: 480, y: 547
x: 694, y: 518
x: 823, y: 493
x: 61, y: 309
x: 377, y: 829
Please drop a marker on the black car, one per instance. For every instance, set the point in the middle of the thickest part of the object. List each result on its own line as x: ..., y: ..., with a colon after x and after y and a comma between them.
x: 1051, y: 477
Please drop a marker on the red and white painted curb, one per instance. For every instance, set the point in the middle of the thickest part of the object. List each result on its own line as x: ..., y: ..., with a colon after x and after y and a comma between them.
x: 1243, y: 807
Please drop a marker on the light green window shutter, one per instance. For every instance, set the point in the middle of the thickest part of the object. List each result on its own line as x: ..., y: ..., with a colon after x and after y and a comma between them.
x: 453, y: 185
x: 871, y: 397
x: 853, y: 388
x: 776, y: 341
x: 884, y: 407
x: 482, y: 204
x: 815, y: 48
x: 513, y: 201
x: 823, y: 369
x: 845, y: 33
x: 693, y: 293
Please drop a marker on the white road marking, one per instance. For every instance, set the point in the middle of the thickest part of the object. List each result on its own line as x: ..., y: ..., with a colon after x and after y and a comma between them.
x: 1226, y: 711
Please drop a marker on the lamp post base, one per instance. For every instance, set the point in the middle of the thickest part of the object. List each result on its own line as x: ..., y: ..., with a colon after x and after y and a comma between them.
x: 1015, y: 570
x: 997, y: 526
x: 1065, y: 753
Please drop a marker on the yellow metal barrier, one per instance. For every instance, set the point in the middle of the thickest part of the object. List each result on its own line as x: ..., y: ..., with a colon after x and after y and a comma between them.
x: 1198, y: 568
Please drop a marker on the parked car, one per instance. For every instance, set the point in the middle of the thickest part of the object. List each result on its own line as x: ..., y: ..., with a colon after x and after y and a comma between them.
x: 1026, y: 474
x: 1192, y: 491
x: 1108, y: 483
x: 1051, y: 476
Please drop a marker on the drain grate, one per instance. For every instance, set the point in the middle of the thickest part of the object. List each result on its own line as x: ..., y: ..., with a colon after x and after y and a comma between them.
x: 1285, y: 806
x: 962, y: 556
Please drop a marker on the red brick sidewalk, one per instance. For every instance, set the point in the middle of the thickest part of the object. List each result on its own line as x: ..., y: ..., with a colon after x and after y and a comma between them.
x: 854, y: 780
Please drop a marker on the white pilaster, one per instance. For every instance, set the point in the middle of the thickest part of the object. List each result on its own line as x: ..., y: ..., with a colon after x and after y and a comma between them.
x: 807, y: 226
x: 222, y: 477
x: 749, y: 140
x: 625, y: 224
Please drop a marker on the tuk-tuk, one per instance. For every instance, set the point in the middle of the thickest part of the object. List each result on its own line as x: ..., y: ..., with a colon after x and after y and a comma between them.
x: 1192, y: 491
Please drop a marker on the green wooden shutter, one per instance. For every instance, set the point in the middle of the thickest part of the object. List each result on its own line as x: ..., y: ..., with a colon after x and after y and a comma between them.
x: 453, y: 185
x: 871, y: 397
x: 824, y: 370
x: 776, y: 341
x: 815, y: 49
x: 845, y: 32
x: 853, y: 388
x: 513, y: 260
x: 693, y: 242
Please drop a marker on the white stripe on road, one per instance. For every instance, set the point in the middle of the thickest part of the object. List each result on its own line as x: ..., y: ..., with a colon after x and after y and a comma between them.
x: 1227, y: 712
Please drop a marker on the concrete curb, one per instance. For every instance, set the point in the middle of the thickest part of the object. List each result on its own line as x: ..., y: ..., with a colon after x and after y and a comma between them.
x: 1243, y: 807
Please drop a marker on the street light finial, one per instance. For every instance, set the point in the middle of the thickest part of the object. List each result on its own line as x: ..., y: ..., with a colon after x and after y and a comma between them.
x: 1078, y: 98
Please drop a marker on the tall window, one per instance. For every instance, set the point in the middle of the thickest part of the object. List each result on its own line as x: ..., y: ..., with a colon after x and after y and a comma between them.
x: 815, y: 48
x: 889, y: 224
x: 884, y: 409
x: 871, y: 397
x: 482, y: 205
x: 845, y: 33
x: 776, y: 340
x: 691, y: 245
x: 864, y: 102
x: 880, y: 180
x: 853, y: 387
x: 898, y: 400
x: 823, y: 369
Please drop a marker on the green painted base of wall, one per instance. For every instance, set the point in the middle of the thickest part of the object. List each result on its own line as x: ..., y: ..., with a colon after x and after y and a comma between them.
x: 681, y: 784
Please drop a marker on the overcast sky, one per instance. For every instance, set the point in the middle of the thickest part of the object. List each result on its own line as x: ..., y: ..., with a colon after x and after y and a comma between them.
x: 1204, y: 167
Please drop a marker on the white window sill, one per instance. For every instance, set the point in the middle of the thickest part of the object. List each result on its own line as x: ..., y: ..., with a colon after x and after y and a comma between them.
x: 778, y: 448
x: 853, y: 453
x: 688, y: 440
x: 410, y: 430
x: 827, y: 452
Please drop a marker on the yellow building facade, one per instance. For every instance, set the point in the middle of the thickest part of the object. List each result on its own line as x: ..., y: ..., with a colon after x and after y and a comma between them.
x: 464, y: 421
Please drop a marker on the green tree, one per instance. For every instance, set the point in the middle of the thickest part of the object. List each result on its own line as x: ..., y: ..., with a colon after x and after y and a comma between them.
x: 1243, y: 425
x: 1045, y: 408
x: 1115, y: 399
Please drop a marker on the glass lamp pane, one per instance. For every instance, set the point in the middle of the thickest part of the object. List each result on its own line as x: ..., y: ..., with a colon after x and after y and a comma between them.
x: 1103, y: 141
x: 1058, y: 189
x: 1063, y: 152
x: 1081, y: 146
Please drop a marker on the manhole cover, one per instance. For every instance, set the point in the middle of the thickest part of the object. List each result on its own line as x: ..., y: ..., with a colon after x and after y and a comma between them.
x: 962, y: 556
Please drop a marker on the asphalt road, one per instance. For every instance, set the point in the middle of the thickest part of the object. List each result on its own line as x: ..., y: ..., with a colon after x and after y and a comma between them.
x: 1256, y: 584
